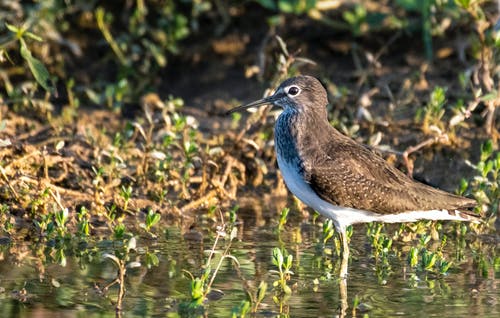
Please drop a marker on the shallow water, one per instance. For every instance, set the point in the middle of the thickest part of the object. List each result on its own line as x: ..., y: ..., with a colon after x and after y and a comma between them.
x: 49, y: 281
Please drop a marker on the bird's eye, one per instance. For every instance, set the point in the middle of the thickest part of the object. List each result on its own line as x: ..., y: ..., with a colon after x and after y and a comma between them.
x: 294, y: 90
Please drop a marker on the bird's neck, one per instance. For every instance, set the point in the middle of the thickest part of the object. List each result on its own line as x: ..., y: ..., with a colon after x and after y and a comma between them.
x: 285, y: 135
x: 296, y: 130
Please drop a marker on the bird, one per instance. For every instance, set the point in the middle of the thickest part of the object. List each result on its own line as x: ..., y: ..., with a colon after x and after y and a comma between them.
x: 340, y: 178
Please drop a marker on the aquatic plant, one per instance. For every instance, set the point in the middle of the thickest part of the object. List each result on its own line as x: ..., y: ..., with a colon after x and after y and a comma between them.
x: 152, y: 218
x: 283, y: 218
x: 422, y: 259
x: 381, y: 245
x: 121, y: 259
x: 283, y: 261
x: 201, y: 286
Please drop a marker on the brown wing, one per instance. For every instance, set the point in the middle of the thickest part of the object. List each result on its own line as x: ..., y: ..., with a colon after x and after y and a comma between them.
x: 348, y: 174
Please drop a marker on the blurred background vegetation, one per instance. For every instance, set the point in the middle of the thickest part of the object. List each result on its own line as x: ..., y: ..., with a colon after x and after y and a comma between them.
x: 110, y: 52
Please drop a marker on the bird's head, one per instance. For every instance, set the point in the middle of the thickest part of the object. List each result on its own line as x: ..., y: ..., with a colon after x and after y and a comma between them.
x: 301, y: 94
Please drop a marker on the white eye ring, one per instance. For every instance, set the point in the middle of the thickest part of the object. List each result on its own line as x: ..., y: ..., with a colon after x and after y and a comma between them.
x: 292, y: 90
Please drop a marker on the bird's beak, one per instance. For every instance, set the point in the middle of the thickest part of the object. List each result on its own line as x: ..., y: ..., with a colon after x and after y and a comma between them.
x: 267, y: 100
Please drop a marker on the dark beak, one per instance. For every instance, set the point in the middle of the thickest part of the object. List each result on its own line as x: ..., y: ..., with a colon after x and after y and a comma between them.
x: 268, y: 100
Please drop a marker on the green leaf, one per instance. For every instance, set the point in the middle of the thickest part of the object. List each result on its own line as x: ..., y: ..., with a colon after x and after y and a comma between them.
x: 429, y: 260
x: 33, y: 36
x: 349, y: 17
x: 196, y: 288
x: 463, y: 3
x: 287, y: 289
x: 487, y: 168
x: 490, y: 96
x: 463, y: 186
x: 286, y: 6
x: 12, y: 28
x: 289, y: 260
x: 486, y: 149
x: 410, y: 5
x: 268, y: 4
x: 413, y: 257
x: 156, y: 51
x: 152, y: 260
x: 277, y: 257
x: 261, y: 292
x: 37, y: 68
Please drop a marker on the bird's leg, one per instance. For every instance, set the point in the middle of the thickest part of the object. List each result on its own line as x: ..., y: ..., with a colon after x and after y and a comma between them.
x: 344, y: 254
x: 343, y: 298
x: 343, y: 272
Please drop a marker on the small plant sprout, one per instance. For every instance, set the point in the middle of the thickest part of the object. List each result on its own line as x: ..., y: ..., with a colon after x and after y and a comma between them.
x: 152, y: 218
x: 261, y: 293
x: 201, y: 286
x: 60, y: 256
x: 283, y: 218
x: 233, y: 215
x: 82, y: 217
x: 122, y: 261
x: 381, y: 247
x: 422, y: 259
x: 432, y: 114
x: 119, y: 231
x: 253, y: 301
x: 283, y: 261
x: 37, y: 68
x: 337, y: 243
x: 126, y: 194
x: 328, y: 230
x: 61, y: 218
x: 241, y: 310
x: 413, y: 256
x: 485, y: 186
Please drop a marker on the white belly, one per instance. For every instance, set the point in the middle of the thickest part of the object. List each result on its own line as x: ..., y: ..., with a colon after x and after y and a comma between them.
x: 341, y: 216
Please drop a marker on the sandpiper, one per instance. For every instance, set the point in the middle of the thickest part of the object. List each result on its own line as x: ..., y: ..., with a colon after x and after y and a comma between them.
x: 340, y: 178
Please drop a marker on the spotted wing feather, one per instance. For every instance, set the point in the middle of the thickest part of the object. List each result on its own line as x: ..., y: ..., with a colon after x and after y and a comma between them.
x: 349, y: 174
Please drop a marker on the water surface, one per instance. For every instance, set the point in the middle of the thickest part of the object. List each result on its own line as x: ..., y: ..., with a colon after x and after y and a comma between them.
x: 63, y: 280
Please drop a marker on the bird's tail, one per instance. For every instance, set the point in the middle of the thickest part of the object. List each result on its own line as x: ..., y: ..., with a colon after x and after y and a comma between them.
x: 438, y: 215
x: 465, y: 215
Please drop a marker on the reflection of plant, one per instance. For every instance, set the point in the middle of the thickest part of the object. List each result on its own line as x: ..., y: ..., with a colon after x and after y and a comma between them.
x: 122, y: 261
x: 250, y: 305
x: 201, y: 285
x: 328, y: 230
